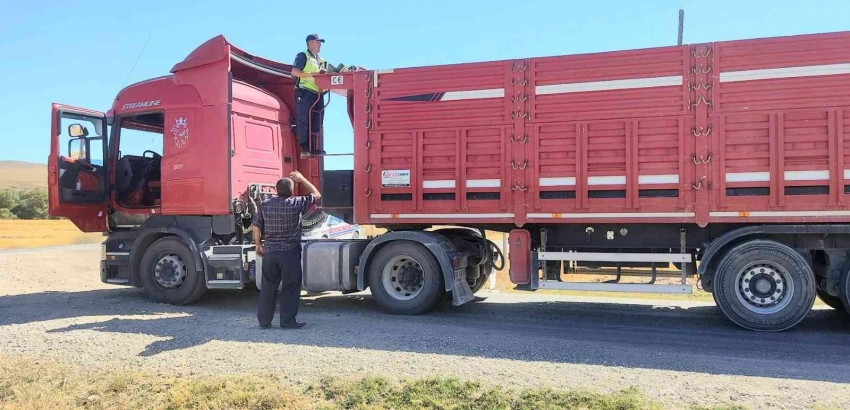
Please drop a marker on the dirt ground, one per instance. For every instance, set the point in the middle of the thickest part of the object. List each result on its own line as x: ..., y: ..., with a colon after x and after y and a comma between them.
x: 52, y: 305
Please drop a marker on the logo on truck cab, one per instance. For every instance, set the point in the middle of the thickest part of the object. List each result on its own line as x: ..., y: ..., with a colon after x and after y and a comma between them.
x: 141, y: 104
x: 180, y: 130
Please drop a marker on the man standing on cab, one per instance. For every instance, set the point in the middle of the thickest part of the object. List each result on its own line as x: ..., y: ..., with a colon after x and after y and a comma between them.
x: 309, y: 98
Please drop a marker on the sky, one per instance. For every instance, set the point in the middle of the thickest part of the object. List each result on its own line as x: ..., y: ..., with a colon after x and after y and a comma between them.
x: 81, y: 53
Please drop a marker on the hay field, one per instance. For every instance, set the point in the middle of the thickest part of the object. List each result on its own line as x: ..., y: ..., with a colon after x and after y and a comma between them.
x: 36, y: 234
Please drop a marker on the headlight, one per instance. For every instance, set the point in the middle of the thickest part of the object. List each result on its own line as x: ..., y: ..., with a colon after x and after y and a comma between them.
x: 103, y: 252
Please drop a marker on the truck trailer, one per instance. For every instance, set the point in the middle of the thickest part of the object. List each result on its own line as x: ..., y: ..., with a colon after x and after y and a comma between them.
x: 729, y: 160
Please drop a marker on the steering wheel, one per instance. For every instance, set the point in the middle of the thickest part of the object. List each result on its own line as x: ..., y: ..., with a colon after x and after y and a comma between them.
x: 153, y: 156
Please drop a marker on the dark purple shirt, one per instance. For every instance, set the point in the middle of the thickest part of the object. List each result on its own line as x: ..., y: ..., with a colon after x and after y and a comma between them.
x: 279, y: 220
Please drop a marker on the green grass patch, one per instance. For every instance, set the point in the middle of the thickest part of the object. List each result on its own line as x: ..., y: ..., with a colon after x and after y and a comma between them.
x: 46, y: 385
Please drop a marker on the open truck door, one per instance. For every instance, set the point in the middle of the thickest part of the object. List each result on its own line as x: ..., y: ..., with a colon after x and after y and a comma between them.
x: 77, y: 177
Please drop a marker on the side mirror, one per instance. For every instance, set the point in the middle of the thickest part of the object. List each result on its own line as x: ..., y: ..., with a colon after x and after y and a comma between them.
x: 77, y: 131
x: 77, y: 148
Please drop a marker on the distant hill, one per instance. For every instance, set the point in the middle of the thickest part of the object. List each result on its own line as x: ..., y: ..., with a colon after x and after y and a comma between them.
x: 19, y: 174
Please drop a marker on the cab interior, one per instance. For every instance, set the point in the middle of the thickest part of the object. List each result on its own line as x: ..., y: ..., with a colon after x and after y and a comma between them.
x: 138, y: 167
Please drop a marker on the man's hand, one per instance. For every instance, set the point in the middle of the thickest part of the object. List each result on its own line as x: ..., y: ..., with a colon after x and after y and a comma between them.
x: 260, y: 249
x: 296, y: 176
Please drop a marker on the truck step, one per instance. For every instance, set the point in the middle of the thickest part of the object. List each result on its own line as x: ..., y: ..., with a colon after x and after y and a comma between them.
x: 224, y: 284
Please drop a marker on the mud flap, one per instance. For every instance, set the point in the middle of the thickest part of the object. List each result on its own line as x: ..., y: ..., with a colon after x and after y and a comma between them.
x: 461, y: 292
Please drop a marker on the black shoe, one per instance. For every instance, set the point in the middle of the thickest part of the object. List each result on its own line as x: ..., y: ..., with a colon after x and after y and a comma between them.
x: 264, y: 327
x: 319, y: 152
x: 293, y: 325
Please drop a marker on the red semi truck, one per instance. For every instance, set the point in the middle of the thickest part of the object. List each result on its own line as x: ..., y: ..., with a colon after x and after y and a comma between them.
x: 729, y: 160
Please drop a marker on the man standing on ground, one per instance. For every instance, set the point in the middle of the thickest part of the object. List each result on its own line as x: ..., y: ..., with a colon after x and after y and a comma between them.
x: 309, y: 99
x: 279, y: 221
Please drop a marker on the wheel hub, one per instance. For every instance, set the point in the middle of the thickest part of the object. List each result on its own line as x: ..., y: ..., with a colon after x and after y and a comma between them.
x: 170, y: 272
x: 403, y: 278
x: 763, y: 288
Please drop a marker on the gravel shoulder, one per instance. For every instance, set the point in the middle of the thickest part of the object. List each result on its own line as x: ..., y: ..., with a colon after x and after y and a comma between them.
x: 52, y: 304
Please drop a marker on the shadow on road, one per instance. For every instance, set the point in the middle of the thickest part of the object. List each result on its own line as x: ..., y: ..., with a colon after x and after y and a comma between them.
x: 695, y: 339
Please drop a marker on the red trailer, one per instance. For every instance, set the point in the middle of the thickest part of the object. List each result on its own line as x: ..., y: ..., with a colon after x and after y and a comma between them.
x: 726, y: 159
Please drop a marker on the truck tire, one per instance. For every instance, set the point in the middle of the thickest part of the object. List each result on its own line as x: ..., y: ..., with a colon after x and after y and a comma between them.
x: 764, y: 285
x: 832, y: 301
x: 168, y: 273
x: 845, y: 291
x: 405, y: 278
x: 483, y: 279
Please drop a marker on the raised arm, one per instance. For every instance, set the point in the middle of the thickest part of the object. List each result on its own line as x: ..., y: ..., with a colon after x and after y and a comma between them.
x: 297, y: 177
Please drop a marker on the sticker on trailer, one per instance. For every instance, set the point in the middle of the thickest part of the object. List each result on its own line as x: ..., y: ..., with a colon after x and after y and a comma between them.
x: 395, y: 178
x: 336, y: 80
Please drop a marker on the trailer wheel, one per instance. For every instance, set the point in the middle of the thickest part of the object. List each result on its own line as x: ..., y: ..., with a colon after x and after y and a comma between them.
x: 405, y: 278
x: 168, y: 273
x: 845, y: 291
x: 832, y: 301
x: 764, y: 285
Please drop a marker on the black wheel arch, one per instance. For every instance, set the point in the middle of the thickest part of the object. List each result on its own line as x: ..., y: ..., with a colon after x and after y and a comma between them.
x: 785, y: 234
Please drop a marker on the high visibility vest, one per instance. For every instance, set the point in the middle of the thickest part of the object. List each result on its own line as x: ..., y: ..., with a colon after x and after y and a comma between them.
x: 314, y: 64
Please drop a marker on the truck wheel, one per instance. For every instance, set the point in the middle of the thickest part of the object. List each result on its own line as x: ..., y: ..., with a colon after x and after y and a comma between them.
x: 483, y: 279
x: 406, y: 279
x: 764, y: 285
x: 168, y: 273
x: 832, y: 301
x: 845, y: 292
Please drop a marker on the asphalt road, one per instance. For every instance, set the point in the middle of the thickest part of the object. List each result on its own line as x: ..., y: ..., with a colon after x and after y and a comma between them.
x: 51, y: 303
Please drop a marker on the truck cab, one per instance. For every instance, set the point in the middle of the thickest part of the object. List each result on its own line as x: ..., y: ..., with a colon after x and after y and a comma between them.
x: 187, y: 157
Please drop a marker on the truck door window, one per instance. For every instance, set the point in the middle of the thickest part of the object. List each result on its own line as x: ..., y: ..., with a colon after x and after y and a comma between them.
x: 137, y: 176
x: 80, y: 138
x: 82, y: 177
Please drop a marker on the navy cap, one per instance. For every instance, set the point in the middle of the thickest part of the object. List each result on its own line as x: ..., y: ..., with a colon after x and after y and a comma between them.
x: 312, y: 37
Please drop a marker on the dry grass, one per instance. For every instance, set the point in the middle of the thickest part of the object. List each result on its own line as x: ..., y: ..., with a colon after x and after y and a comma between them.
x: 36, y: 234
x: 42, y: 384
x: 22, y: 175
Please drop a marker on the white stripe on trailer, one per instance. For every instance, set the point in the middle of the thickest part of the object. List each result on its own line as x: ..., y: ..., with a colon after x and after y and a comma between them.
x: 614, y: 257
x: 658, y: 179
x: 747, y: 176
x: 611, y: 180
x: 473, y: 94
x: 378, y: 72
x: 613, y: 215
x: 616, y: 287
x: 627, y: 84
x: 483, y: 183
x: 558, y: 181
x: 756, y: 214
x: 785, y: 72
x: 807, y: 175
x: 819, y: 175
x: 607, y: 180
x: 440, y: 216
x: 439, y: 183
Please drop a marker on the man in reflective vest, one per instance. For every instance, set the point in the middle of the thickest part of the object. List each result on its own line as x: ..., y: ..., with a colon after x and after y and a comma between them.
x: 309, y: 98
